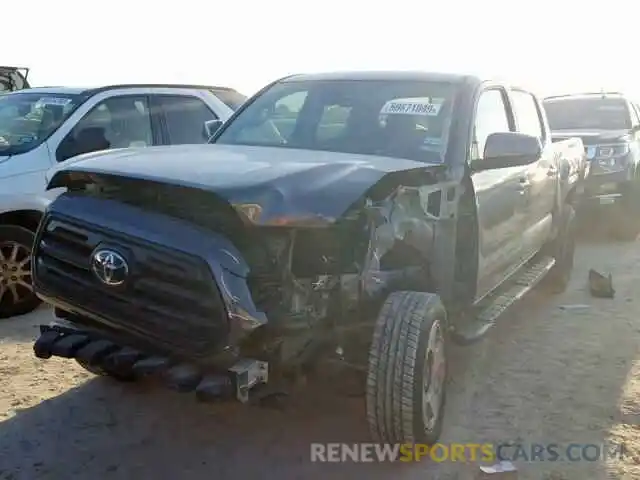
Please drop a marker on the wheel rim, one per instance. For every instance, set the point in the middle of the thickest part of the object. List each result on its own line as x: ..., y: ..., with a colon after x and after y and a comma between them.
x: 15, y: 273
x: 434, y: 376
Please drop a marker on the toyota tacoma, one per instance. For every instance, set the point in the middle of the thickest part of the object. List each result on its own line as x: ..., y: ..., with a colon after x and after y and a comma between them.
x: 360, y: 219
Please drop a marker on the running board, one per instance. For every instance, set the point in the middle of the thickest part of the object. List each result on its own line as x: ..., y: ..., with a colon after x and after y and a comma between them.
x: 491, y: 308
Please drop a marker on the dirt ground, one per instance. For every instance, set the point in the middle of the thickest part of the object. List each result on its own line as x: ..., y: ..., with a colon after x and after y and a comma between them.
x: 548, y: 375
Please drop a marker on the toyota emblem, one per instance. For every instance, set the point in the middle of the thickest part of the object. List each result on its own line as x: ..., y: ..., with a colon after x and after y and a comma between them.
x: 109, y: 267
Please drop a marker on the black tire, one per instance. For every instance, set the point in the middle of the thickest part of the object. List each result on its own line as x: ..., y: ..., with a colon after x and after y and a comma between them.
x: 563, y: 250
x: 12, y: 239
x: 121, y: 376
x: 399, y: 359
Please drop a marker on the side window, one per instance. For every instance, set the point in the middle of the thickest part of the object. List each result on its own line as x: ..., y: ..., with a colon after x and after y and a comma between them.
x: 527, y: 114
x: 275, y: 125
x: 491, y: 117
x: 185, y: 117
x: 116, y: 122
x: 285, y: 114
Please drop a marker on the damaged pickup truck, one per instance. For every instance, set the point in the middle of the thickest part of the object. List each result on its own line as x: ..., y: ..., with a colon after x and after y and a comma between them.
x: 363, y: 219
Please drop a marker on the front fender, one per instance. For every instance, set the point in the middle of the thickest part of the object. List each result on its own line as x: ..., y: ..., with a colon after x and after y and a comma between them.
x: 12, y: 202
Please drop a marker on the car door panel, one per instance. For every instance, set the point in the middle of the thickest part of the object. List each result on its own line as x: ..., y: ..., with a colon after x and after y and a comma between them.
x: 500, y: 200
x: 540, y: 176
x: 500, y: 197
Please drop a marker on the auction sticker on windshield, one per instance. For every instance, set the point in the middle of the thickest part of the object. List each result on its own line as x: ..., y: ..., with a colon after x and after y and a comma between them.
x: 411, y: 106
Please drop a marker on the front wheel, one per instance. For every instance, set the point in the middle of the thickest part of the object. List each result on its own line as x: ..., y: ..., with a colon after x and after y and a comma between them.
x: 406, y: 381
x: 16, y: 291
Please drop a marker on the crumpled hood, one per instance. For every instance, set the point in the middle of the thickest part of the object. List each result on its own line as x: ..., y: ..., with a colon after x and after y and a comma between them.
x: 592, y: 137
x: 284, y: 182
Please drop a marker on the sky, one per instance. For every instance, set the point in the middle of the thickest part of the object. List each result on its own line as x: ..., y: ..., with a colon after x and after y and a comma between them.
x: 549, y: 46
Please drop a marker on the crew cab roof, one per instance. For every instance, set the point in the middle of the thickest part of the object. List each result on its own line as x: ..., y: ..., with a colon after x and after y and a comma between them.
x: 380, y: 75
x: 573, y: 96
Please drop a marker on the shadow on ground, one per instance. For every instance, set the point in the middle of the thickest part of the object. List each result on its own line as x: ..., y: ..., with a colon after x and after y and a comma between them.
x: 23, y: 328
x: 105, y: 430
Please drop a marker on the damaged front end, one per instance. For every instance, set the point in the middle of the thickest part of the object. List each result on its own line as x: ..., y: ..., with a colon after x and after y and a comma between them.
x: 222, y: 312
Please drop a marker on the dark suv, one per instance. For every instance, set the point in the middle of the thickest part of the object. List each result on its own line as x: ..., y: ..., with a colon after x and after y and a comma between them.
x: 609, y: 126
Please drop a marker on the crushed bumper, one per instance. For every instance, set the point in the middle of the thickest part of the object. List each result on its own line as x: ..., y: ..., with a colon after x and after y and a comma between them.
x: 92, y: 349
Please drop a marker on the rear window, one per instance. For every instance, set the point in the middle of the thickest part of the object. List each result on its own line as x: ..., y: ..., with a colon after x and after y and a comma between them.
x: 230, y: 98
x: 585, y: 113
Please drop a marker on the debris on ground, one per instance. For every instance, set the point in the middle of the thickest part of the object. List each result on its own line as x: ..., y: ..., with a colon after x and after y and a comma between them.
x: 601, y: 286
x: 577, y: 306
x: 501, y: 471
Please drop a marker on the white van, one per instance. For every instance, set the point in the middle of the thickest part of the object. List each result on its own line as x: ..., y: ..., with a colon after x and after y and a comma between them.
x: 44, y: 127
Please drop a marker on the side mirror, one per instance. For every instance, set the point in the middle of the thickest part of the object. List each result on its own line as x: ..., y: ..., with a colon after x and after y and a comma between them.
x: 211, y: 127
x: 508, y: 149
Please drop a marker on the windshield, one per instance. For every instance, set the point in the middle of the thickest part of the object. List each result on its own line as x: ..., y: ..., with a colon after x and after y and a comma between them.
x: 404, y: 119
x: 28, y: 119
x: 585, y: 113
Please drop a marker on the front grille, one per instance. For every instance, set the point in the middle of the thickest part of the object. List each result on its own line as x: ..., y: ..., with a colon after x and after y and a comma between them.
x: 169, y: 296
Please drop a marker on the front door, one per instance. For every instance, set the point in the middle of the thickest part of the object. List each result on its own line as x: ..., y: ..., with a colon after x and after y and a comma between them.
x: 500, y: 194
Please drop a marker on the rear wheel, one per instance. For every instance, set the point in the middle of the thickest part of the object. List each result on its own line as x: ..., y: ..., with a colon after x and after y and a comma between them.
x: 16, y: 291
x: 405, y: 392
x: 563, y: 249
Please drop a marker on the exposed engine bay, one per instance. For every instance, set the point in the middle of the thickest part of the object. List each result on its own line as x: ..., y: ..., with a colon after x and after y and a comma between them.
x: 317, y: 283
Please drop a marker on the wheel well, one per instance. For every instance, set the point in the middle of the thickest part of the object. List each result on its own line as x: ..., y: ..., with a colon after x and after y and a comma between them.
x: 28, y: 219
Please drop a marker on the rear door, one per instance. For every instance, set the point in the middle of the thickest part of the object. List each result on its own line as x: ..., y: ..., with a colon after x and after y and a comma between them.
x: 182, y: 118
x: 539, y: 178
x: 499, y: 195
